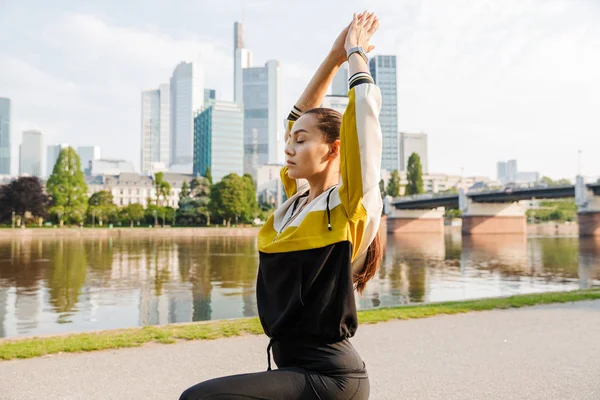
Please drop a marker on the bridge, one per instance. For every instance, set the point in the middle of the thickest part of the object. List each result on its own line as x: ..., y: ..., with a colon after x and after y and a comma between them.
x: 485, y: 212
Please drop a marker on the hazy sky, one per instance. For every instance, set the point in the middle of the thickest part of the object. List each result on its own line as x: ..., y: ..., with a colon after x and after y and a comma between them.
x: 486, y: 80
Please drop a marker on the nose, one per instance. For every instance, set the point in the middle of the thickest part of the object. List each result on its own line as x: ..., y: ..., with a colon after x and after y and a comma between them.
x: 288, y: 150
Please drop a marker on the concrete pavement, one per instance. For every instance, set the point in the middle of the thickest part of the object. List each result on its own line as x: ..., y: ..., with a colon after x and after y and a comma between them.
x: 544, y: 352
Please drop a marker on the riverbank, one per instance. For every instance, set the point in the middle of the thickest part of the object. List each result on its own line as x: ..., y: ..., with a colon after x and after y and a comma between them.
x: 546, y: 229
x: 8, y: 233
x: 113, y: 339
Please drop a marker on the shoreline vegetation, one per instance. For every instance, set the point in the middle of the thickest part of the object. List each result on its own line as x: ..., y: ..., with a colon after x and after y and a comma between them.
x: 207, y: 330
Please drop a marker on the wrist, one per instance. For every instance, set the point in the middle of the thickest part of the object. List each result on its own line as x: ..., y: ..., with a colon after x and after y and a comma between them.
x: 337, y: 58
x: 349, y: 46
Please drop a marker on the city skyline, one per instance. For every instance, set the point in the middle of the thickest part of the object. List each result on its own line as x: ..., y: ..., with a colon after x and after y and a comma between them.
x: 484, y: 82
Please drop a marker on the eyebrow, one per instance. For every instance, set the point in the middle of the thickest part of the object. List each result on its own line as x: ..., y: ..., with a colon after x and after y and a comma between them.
x: 299, y: 131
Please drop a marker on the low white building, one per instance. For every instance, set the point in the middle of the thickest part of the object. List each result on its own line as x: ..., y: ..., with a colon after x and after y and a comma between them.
x: 133, y: 188
x: 337, y: 102
x: 436, y: 183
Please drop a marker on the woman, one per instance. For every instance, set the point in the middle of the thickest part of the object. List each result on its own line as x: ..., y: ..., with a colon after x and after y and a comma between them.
x: 322, y: 243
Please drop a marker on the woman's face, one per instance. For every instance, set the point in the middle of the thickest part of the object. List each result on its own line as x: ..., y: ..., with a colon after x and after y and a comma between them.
x: 306, y: 152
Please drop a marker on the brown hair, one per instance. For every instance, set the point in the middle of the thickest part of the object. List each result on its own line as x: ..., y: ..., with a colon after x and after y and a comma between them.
x: 329, y: 122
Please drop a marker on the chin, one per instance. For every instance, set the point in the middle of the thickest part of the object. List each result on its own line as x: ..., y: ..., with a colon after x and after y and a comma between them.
x: 294, y: 174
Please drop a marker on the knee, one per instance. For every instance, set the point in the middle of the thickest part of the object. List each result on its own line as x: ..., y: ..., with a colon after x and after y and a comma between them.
x: 193, y: 393
x: 201, y: 391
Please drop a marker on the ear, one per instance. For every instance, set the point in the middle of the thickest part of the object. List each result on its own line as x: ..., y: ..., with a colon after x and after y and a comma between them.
x: 334, y: 149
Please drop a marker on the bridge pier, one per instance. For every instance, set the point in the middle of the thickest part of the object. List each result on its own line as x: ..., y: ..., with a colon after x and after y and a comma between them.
x: 480, y: 218
x: 587, y: 198
x: 416, y: 221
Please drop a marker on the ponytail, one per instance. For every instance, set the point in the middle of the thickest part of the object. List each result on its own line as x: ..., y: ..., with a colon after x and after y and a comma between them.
x: 372, y: 262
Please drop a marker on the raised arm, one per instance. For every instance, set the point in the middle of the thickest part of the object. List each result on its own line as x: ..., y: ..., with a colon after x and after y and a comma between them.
x: 314, y: 94
x: 360, y: 136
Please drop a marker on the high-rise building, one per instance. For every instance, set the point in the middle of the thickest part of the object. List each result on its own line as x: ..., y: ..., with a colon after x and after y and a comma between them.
x: 187, y: 99
x: 242, y: 58
x: 218, y: 140
x: 339, y: 86
x: 87, y: 155
x: 501, y: 174
x: 413, y: 143
x: 31, y: 153
x: 52, y: 153
x: 383, y: 70
x: 511, y: 170
x: 261, y: 116
x: 210, y: 96
x: 507, y: 172
x: 156, y: 127
x: 4, y: 136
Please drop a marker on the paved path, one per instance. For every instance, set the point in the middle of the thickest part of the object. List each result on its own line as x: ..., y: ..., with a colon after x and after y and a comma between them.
x: 546, y: 352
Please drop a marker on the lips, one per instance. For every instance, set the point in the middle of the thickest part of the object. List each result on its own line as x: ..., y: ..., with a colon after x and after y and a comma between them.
x: 290, y: 163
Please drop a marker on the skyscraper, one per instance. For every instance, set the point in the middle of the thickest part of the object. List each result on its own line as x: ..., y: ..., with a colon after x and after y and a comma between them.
x: 52, y: 153
x: 218, y: 140
x: 31, y: 153
x: 210, y: 96
x: 242, y: 58
x: 4, y: 136
x: 339, y: 86
x: 261, y: 115
x: 187, y: 99
x: 156, y: 127
x: 413, y: 143
x: 87, y: 155
x: 383, y: 70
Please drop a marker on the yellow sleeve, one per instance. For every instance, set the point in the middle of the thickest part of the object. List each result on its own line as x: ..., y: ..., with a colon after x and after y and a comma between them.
x: 360, y: 149
x: 289, y: 185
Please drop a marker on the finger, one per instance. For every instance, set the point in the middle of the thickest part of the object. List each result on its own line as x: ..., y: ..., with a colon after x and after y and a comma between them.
x: 371, y: 48
x: 370, y: 20
x: 374, y: 26
x: 360, y: 18
x: 365, y: 15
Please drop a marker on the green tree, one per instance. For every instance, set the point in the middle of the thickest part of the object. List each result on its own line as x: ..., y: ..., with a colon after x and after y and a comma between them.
x: 251, y: 204
x: 208, y: 175
x: 134, y: 213
x: 382, y: 188
x: 393, y: 186
x: 549, y: 182
x: 24, y: 196
x: 162, y: 187
x: 452, y: 213
x: 101, y: 207
x: 185, y: 191
x: 227, y: 198
x: 67, y: 188
x: 193, y: 210
x: 414, y: 175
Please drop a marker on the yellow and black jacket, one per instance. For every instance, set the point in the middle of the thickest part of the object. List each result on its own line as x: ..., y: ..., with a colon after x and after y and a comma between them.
x: 304, y: 287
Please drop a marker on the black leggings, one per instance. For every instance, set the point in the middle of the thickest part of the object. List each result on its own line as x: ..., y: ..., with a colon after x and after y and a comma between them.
x: 323, y: 372
x: 284, y: 384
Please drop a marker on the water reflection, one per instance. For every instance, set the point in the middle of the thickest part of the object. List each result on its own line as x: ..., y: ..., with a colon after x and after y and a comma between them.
x: 65, y: 284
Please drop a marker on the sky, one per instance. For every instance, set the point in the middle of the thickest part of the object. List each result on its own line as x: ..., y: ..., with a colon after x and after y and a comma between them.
x: 487, y: 80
